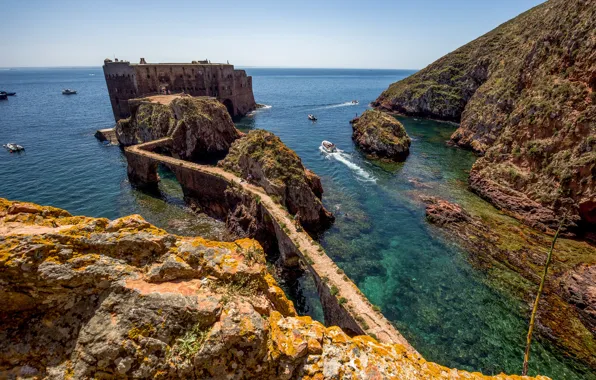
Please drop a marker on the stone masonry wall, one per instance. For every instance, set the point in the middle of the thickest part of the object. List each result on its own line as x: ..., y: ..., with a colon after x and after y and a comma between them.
x: 126, y: 81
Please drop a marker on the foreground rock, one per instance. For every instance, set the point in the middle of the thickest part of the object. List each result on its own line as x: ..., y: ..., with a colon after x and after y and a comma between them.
x: 381, y: 135
x: 525, y: 96
x: 200, y: 127
x: 279, y: 171
x: 567, y: 313
x: 90, y: 298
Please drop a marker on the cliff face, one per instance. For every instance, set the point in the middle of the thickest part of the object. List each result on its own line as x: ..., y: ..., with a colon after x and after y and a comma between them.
x: 381, y: 135
x: 279, y: 171
x: 199, y: 127
x: 567, y: 311
x: 91, y: 298
x: 524, y: 94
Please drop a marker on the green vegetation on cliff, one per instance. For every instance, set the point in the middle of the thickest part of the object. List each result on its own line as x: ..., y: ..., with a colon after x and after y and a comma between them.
x: 381, y: 135
x: 524, y: 94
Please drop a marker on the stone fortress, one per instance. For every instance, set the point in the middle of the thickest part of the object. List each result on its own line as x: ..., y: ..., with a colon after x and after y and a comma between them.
x: 199, y: 78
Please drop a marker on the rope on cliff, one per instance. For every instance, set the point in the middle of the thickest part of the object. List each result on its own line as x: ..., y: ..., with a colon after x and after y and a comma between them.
x: 535, y: 309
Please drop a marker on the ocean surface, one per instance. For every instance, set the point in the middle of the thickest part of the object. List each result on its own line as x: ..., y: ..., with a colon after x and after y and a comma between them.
x: 423, y: 283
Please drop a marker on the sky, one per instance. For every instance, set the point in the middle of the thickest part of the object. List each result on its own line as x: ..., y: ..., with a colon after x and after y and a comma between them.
x: 386, y: 34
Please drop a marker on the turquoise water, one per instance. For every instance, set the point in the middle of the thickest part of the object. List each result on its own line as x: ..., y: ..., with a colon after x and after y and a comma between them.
x: 423, y: 283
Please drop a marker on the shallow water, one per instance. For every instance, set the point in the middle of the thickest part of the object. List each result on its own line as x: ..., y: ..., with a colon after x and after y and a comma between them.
x: 423, y: 283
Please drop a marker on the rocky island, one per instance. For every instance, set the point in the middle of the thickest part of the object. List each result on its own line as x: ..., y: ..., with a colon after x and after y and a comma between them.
x: 381, y: 136
x: 264, y: 158
x: 525, y: 96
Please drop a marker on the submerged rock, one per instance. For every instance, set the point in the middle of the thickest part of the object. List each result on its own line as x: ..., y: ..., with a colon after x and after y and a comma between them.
x: 525, y: 96
x: 567, y: 312
x: 199, y: 127
x: 279, y: 171
x: 87, y: 298
x: 381, y: 135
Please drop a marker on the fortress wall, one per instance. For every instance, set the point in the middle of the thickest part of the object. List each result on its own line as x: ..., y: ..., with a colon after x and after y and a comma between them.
x: 121, y: 81
x: 231, y: 87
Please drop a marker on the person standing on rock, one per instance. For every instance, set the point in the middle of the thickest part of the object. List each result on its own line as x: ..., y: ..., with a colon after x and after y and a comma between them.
x: 297, y: 221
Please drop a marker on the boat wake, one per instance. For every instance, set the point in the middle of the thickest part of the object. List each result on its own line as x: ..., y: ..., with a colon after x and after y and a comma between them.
x: 344, y: 158
x: 346, y: 104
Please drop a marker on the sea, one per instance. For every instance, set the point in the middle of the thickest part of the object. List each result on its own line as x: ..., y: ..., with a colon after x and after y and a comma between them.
x: 424, y: 283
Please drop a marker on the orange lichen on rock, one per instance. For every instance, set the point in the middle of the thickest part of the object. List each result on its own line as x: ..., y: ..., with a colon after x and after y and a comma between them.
x: 124, y: 299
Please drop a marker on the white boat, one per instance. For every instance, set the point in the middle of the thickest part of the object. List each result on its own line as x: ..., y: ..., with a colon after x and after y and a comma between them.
x: 68, y: 91
x: 329, y: 146
x: 312, y: 117
x: 354, y: 101
x: 12, y: 147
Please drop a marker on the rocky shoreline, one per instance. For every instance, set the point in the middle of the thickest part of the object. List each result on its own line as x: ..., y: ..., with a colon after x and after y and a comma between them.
x: 567, y: 312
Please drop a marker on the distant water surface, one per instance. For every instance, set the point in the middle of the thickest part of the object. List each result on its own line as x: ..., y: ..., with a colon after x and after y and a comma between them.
x: 422, y: 283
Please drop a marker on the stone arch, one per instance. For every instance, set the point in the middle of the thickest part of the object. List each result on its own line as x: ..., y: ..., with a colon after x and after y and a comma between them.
x: 229, y: 106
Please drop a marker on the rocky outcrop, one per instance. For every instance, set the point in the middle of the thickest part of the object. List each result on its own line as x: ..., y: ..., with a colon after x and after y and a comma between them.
x: 525, y: 96
x: 149, y: 121
x: 567, y: 312
x: 90, y: 298
x: 279, y: 171
x: 381, y: 135
x: 199, y: 127
x: 204, y: 128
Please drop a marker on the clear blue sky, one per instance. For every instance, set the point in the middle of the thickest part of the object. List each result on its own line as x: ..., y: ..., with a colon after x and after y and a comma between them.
x: 307, y: 33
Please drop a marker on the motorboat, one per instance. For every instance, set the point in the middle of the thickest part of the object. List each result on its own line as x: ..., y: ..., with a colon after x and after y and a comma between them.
x: 12, y: 147
x: 329, y: 146
x: 3, y: 95
x: 312, y: 118
x: 354, y: 101
x: 68, y: 91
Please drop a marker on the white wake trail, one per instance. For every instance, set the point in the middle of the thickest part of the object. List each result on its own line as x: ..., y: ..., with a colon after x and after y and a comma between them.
x: 346, y: 104
x: 340, y: 156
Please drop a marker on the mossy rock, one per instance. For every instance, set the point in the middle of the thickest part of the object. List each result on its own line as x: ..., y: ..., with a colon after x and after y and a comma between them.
x: 381, y: 135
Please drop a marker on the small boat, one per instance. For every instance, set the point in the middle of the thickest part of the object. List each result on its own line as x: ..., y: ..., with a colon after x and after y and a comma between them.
x: 312, y: 118
x: 68, y: 91
x: 354, y: 101
x: 12, y: 147
x: 3, y: 95
x: 8, y: 93
x: 329, y: 146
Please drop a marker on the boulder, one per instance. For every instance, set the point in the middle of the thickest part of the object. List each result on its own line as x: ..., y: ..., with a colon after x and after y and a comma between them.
x: 381, y: 135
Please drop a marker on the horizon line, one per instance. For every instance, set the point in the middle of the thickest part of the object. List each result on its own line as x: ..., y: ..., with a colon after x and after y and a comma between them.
x: 239, y: 66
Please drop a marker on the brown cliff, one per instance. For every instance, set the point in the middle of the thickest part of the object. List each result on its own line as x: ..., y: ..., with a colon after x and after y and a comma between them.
x: 91, y: 298
x: 525, y: 96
